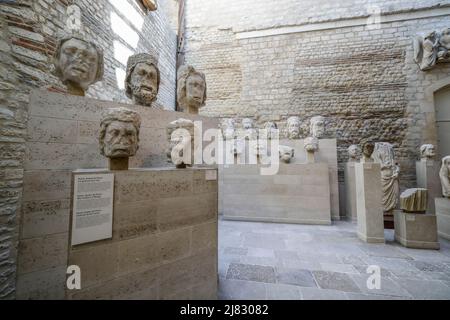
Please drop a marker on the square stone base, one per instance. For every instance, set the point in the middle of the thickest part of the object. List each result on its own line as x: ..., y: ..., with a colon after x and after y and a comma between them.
x: 416, y: 230
x: 443, y: 217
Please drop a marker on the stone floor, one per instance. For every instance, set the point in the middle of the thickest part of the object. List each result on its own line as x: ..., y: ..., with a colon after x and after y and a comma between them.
x: 285, y: 261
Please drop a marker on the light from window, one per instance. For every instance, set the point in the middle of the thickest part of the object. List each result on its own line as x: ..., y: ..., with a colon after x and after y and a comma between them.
x: 123, y: 30
x: 120, y: 76
x: 121, y: 52
x: 124, y: 7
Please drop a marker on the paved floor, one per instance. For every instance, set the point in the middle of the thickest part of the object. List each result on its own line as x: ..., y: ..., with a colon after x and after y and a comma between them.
x: 281, y: 261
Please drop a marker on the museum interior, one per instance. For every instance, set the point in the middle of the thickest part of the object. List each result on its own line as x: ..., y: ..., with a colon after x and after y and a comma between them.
x: 225, y: 150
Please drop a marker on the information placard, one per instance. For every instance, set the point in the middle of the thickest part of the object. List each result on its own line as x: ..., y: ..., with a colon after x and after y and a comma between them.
x: 92, y: 207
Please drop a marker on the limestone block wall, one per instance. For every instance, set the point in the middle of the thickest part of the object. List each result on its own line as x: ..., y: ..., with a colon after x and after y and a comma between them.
x: 28, y: 33
x: 271, y: 61
x: 164, y: 243
x: 62, y: 137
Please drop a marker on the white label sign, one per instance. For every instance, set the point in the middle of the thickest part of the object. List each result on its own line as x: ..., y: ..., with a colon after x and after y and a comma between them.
x: 92, y: 208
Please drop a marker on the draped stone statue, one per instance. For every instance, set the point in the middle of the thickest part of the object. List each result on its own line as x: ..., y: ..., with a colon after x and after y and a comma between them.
x: 119, y: 136
x: 432, y: 49
x: 271, y: 129
x: 248, y: 129
x: 142, y: 79
x: 444, y: 175
x: 78, y: 64
x: 384, y: 155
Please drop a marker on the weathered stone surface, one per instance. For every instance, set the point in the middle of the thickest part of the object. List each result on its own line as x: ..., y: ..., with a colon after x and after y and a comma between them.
x: 431, y: 49
x: 286, y: 153
x: 354, y: 153
x: 427, y: 152
x: 416, y: 230
x: 317, y: 124
x: 191, y: 89
x: 444, y: 174
x: 414, y: 200
x: 427, y: 173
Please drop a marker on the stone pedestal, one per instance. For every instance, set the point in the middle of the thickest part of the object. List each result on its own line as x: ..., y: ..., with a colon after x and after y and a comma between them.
x: 416, y: 230
x: 350, y: 191
x: 427, y: 172
x: 298, y: 193
x: 368, y: 202
x: 443, y: 217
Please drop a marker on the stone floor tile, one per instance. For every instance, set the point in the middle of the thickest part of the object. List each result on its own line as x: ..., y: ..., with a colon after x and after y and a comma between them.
x: 361, y: 296
x: 430, y: 266
x: 384, y: 272
x: 382, y: 250
x: 322, y: 294
x: 271, y: 262
x: 338, y: 267
x: 388, y: 287
x: 296, y: 277
x: 285, y: 254
x: 235, y: 251
x: 426, y: 289
x: 260, y: 253
x: 230, y: 289
x: 280, y: 291
x: 251, y: 273
x: 335, y: 281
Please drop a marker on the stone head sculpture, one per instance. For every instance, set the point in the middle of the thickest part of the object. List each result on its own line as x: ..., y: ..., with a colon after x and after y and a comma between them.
x: 119, y: 135
x: 271, y: 129
x: 247, y: 123
x: 191, y: 89
x: 427, y: 152
x: 142, y: 78
x: 317, y: 127
x: 311, y: 145
x: 78, y: 64
x: 248, y: 127
x: 180, y: 134
x: 368, y: 147
x: 444, y: 175
x: 293, y: 127
x: 286, y: 153
x: 445, y: 38
x: 354, y: 153
x: 227, y: 126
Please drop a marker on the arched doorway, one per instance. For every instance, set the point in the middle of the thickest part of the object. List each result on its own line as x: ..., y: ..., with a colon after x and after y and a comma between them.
x: 442, y: 107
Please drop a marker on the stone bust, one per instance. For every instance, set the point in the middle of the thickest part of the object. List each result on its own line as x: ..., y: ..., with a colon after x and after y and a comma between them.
x: 78, y: 64
x: 142, y: 79
x: 317, y: 127
x: 180, y: 134
x: 119, y: 135
x: 191, y: 89
x: 293, y: 127
x: 354, y: 153
x: 248, y: 130
x: 286, y: 153
x: 311, y: 144
x: 444, y: 175
x: 228, y: 130
x: 427, y: 152
x: 367, y: 150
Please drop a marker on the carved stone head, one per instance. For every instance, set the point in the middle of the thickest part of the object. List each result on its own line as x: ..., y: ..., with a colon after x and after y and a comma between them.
x: 445, y: 38
x: 119, y: 133
x: 311, y: 144
x: 354, y: 152
x: 78, y: 63
x: 180, y: 134
x: 142, y: 79
x: 286, y: 153
x: 271, y: 129
x: 227, y: 126
x: 427, y: 152
x: 191, y: 89
x: 317, y: 127
x: 444, y: 175
x: 247, y: 123
x: 368, y: 147
x: 293, y: 127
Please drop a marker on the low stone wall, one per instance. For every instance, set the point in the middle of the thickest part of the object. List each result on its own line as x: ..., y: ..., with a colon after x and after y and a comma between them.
x: 62, y: 137
x: 298, y: 193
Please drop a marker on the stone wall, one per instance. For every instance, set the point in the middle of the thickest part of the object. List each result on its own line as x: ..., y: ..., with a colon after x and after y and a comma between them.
x: 28, y: 33
x: 272, y: 61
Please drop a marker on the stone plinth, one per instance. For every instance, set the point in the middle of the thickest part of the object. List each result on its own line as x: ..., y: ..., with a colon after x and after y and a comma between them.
x: 415, y: 230
x: 443, y: 217
x: 350, y: 191
x: 368, y: 202
x: 164, y: 243
x: 299, y: 193
x: 427, y: 172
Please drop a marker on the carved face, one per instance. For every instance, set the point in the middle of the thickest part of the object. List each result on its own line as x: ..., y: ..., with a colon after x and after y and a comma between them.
x: 293, y: 127
x: 144, y: 83
x: 311, y: 144
x: 286, y: 154
x: 78, y: 61
x: 353, y: 151
x: 318, y: 127
x: 195, y: 90
x: 121, y: 140
x: 445, y: 38
x: 247, y: 123
x: 228, y: 128
x: 179, y: 143
x: 368, y: 149
x: 428, y: 151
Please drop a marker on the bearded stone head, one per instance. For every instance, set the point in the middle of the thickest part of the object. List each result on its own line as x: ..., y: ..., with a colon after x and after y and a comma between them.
x: 317, y: 127
x: 142, y: 79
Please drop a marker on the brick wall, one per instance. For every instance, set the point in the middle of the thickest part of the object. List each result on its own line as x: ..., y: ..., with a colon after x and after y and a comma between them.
x: 362, y: 79
x: 28, y: 34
